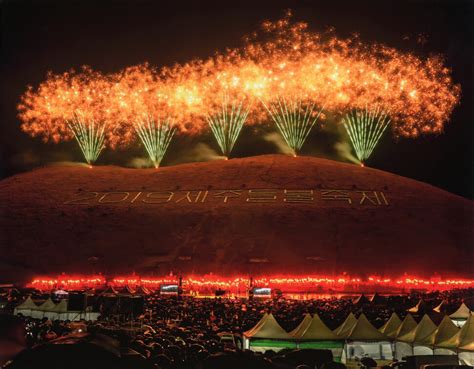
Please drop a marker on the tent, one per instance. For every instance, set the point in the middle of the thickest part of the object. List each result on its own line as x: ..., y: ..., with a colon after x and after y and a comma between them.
x: 405, y: 342
x: 312, y: 333
x: 26, y: 307
x: 361, y: 300
x: 46, y: 310
x: 402, y: 348
x: 53, y: 311
x: 126, y: 291
x: 441, y: 308
x: 345, y: 327
x: 142, y: 290
x: 377, y: 299
x: 420, y: 307
x: 390, y: 328
x: 445, y: 331
x: 462, y: 342
x: 365, y: 340
x: 268, y: 335
x: 460, y: 316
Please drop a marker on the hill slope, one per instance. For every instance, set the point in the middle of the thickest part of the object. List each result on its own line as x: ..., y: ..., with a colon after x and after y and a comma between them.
x: 266, y: 214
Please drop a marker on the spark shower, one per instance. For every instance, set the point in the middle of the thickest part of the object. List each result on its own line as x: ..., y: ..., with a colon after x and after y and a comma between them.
x: 284, y: 73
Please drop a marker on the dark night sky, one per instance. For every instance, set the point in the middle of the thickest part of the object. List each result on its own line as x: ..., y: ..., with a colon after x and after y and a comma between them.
x: 38, y: 36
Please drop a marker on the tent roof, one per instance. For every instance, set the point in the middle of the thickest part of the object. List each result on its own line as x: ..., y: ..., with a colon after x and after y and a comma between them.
x: 424, y: 328
x: 419, y: 306
x: 441, y: 307
x: 463, y: 339
x: 377, y: 299
x: 268, y: 327
x: 27, y: 304
x: 344, y: 329
x: 408, y: 324
x: 462, y: 313
x: 142, y: 290
x: 445, y: 331
x: 109, y: 291
x: 362, y: 299
x: 61, y: 307
x: 390, y: 328
x: 260, y: 322
x: 302, y: 327
x: 48, y: 305
x: 126, y: 291
x: 364, y: 331
x: 313, y: 329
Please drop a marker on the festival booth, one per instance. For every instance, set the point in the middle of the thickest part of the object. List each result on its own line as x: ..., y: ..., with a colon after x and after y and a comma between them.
x: 345, y: 328
x: 46, y: 310
x: 460, y: 316
x: 312, y: 333
x: 402, y: 348
x: 445, y: 331
x: 405, y: 344
x: 268, y: 335
x: 53, y: 311
x: 390, y: 328
x: 366, y: 340
x: 26, y: 307
x: 462, y: 343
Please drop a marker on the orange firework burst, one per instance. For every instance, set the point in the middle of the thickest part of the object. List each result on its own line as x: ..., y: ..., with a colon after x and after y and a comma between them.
x: 285, y: 71
x: 73, y: 105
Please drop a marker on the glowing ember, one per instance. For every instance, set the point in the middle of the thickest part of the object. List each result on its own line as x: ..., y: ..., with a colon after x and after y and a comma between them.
x: 294, y: 72
x: 208, y: 284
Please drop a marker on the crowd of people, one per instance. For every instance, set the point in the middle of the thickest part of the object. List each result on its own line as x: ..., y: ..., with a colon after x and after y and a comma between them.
x: 186, y: 332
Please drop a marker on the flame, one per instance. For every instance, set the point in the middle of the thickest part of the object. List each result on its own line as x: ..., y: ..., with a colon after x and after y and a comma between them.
x: 283, y: 60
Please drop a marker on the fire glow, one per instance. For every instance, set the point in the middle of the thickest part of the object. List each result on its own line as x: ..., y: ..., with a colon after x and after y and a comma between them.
x: 315, y: 75
x: 208, y: 284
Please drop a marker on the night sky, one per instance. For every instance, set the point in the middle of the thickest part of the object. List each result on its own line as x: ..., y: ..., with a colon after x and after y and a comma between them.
x: 40, y: 36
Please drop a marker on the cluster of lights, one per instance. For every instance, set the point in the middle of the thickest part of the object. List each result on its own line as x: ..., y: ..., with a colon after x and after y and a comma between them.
x: 236, y: 284
x: 286, y: 73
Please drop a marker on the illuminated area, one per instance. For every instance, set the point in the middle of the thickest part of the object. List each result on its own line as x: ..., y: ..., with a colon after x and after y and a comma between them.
x: 284, y: 72
x: 365, y: 128
x: 295, y: 284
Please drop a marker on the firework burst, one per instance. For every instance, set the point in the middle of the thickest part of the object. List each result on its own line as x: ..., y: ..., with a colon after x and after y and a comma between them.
x: 365, y: 128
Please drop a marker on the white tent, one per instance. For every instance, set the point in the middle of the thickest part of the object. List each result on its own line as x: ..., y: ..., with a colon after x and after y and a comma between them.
x: 460, y: 316
x: 267, y: 334
x: 26, y: 307
x: 365, y: 340
x: 390, y: 328
x: 402, y: 348
x: 462, y: 342
x: 312, y: 333
x: 445, y: 331
x: 424, y: 328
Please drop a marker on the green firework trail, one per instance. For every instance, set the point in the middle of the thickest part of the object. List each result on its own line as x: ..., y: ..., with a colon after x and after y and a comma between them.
x: 89, y: 135
x: 294, y: 120
x: 227, y: 123
x: 156, y: 136
x: 365, y: 128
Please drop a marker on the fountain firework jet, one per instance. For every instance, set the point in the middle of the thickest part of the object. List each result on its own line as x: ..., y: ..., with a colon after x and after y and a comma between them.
x: 365, y: 128
x: 89, y: 135
x: 294, y: 119
x: 156, y: 136
x: 227, y: 123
